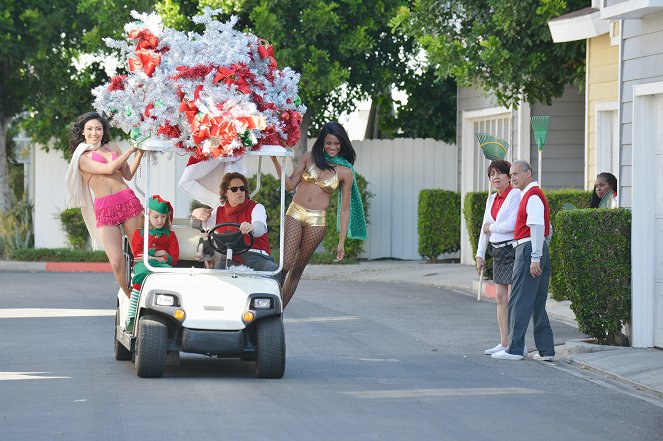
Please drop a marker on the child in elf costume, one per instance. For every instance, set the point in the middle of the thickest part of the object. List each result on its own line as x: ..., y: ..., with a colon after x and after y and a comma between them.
x: 163, y: 249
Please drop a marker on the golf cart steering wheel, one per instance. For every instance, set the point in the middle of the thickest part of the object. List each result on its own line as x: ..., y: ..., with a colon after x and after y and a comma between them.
x: 233, y: 240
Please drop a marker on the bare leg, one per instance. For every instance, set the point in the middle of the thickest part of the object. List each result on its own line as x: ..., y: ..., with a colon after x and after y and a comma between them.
x: 111, y: 237
x: 502, y: 299
x: 131, y: 225
x: 310, y: 239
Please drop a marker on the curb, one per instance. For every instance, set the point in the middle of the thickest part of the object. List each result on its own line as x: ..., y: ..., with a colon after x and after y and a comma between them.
x: 56, y: 267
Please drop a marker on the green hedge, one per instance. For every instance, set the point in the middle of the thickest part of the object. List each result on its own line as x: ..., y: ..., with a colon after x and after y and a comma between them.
x: 594, y: 258
x: 580, y: 199
x: 73, y: 225
x: 438, y: 223
x: 473, y: 208
x: 353, y: 247
x: 57, y: 255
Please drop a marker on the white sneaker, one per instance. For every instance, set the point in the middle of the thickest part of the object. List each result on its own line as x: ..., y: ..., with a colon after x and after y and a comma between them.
x: 504, y: 355
x: 497, y: 348
x: 538, y: 357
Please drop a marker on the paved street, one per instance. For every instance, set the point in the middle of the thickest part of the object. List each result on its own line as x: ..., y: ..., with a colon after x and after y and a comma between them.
x: 364, y: 361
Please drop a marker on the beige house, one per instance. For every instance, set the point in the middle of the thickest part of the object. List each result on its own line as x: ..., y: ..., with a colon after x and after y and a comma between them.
x: 634, y: 30
x: 601, y: 87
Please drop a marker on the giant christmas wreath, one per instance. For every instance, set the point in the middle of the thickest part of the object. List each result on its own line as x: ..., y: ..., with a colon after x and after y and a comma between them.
x: 215, y: 94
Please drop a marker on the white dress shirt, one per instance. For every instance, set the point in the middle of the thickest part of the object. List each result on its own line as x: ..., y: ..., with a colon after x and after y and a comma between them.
x: 501, y: 229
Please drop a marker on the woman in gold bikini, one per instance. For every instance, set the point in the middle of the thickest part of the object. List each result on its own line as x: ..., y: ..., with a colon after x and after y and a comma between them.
x: 319, y: 173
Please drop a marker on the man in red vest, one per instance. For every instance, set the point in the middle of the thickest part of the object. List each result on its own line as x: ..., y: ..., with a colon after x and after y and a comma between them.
x: 531, y: 269
x: 238, y: 207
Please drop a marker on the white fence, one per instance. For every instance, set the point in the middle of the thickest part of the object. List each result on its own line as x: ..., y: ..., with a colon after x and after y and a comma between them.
x: 396, y: 170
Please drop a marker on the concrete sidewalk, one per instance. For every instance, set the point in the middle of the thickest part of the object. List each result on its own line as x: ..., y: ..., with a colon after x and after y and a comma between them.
x: 642, y: 368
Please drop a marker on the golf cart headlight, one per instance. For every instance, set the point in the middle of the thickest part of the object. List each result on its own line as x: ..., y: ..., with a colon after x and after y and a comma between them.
x: 164, y: 300
x: 262, y: 303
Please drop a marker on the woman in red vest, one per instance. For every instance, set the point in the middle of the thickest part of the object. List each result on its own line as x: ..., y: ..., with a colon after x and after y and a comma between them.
x: 237, y: 206
x: 499, y: 221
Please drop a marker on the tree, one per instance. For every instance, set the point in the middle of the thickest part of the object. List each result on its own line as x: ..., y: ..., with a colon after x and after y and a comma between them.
x: 504, y: 46
x: 42, y: 84
x: 430, y: 110
x: 343, y: 49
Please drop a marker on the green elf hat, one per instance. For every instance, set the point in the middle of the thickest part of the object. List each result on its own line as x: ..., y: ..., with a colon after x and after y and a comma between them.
x: 161, y: 206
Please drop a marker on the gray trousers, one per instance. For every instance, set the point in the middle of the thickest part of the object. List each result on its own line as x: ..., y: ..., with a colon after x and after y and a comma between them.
x: 528, y: 299
x: 257, y: 261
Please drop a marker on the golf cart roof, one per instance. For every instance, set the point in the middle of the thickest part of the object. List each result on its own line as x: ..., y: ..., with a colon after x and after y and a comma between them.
x: 157, y: 145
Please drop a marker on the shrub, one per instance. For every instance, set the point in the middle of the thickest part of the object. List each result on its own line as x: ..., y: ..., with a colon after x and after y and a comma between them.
x: 57, y: 255
x: 353, y: 247
x: 438, y: 223
x: 557, y: 198
x: 474, y: 206
x: 73, y: 225
x: 594, y: 257
x: 16, y: 225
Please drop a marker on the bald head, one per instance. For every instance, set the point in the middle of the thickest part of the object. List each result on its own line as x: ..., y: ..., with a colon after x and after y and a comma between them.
x: 521, y: 174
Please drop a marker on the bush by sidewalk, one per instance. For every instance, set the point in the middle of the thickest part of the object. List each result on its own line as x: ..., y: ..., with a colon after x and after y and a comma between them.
x: 57, y: 255
x: 473, y: 209
x: 556, y: 199
x: 593, y: 261
x: 438, y: 223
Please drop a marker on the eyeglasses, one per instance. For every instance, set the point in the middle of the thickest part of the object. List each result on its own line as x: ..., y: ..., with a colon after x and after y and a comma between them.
x: 240, y: 188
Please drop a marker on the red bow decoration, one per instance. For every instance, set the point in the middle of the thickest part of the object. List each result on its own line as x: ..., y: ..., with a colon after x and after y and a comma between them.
x: 147, y: 60
x: 221, y: 132
x: 266, y: 50
x: 147, y: 39
x: 189, y: 109
x: 229, y: 76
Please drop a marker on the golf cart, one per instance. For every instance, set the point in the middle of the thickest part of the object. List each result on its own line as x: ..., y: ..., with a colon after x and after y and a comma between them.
x: 230, y: 313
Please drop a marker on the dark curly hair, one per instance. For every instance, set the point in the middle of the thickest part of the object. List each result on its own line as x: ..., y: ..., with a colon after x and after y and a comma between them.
x: 347, y: 151
x: 76, y: 130
x: 225, y: 183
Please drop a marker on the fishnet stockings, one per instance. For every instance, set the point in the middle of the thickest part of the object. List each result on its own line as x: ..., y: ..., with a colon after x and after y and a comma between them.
x: 299, y: 244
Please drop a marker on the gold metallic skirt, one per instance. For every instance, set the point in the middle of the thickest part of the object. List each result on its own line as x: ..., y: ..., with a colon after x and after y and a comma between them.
x: 308, y: 218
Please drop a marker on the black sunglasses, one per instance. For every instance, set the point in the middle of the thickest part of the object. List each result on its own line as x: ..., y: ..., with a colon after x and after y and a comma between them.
x: 234, y: 189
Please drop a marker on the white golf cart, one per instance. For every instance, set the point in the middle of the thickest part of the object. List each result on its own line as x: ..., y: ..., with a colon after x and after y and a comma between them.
x: 234, y: 312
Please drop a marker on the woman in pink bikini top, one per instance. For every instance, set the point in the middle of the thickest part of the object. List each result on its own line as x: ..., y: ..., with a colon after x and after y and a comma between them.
x: 101, y: 170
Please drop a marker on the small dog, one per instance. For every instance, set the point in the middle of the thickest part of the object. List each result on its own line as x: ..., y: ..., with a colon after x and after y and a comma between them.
x: 205, y: 253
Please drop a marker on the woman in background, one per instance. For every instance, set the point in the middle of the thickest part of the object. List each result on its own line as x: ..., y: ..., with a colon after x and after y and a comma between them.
x: 499, y: 221
x: 605, y: 191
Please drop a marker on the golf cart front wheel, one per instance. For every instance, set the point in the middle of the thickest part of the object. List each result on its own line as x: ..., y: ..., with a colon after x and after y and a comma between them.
x: 151, y: 347
x: 270, y: 350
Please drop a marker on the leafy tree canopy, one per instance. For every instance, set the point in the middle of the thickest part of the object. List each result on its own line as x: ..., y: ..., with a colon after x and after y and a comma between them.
x: 504, y: 46
x: 331, y: 43
x: 44, y: 81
